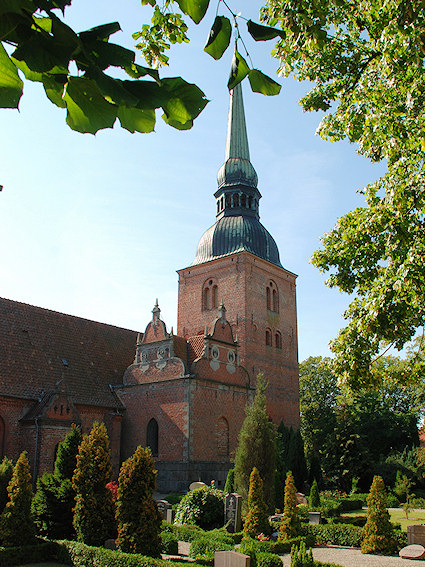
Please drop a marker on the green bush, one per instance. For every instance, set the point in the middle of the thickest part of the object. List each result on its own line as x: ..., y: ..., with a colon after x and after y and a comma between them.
x: 174, y: 499
x: 81, y: 555
x: 314, y: 498
x: 400, y: 539
x: 170, y: 544
x: 264, y: 559
x: 334, y: 534
x: 286, y: 546
x: 377, y: 535
x: 6, y: 471
x: 351, y: 503
x: 250, y: 546
x: 330, y: 508
x: 392, y: 501
x: 203, y: 507
x: 187, y: 532
x: 207, y: 546
x: 43, y: 551
x: 256, y: 521
x: 352, y: 520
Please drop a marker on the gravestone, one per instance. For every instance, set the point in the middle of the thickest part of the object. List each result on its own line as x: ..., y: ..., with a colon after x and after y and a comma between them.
x: 169, y: 515
x: 163, y: 507
x: 231, y: 559
x: 412, y: 552
x: 314, y: 517
x: 416, y: 534
x: 232, y: 512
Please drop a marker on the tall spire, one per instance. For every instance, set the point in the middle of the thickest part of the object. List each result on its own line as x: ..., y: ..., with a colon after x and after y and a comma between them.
x: 237, y: 168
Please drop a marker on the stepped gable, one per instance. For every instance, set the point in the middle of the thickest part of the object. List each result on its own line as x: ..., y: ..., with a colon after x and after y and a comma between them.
x: 40, y: 346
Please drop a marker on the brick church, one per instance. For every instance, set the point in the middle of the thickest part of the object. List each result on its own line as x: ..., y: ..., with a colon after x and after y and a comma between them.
x: 182, y: 394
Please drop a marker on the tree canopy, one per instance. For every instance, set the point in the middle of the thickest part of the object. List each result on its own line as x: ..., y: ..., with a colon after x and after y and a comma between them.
x: 366, y: 62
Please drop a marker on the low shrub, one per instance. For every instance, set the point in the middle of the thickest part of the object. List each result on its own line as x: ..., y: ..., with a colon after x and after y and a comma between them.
x: 352, y: 520
x: 202, y: 507
x: 400, y: 538
x: 206, y: 546
x: 417, y: 502
x: 330, y: 508
x: 81, y: 555
x: 187, y: 532
x: 286, y: 546
x: 174, y: 499
x: 250, y: 546
x: 39, y: 553
x: 264, y: 559
x: 392, y: 501
x: 334, y: 534
x: 170, y: 544
x: 351, y: 503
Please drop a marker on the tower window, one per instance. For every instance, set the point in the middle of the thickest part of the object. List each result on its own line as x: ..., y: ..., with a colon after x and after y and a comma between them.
x: 272, y: 297
x: 209, y: 295
x: 236, y: 200
x: 206, y: 301
x: 278, y: 339
x: 243, y: 200
x: 268, y: 337
x: 214, y: 302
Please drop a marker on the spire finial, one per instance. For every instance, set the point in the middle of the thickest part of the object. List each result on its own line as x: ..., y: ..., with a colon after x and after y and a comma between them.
x: 222, y: 311
x: 156, y: 311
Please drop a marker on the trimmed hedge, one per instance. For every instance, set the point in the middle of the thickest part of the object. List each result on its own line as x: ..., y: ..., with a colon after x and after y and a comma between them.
x: 39, y: 553
x: 170, y: 544
x: 264, y: 559
x: 81, y: 555
x: 351, y: 503
x: 351, y: 520
x: 205, y: 546
x: 334, y: 534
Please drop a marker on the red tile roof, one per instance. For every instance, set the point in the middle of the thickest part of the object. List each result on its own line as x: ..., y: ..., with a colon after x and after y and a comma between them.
x: 38, y: 347
x: 195, y: 347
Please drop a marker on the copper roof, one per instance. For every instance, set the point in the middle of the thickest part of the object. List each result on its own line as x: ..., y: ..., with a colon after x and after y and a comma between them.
x: 38, y: 347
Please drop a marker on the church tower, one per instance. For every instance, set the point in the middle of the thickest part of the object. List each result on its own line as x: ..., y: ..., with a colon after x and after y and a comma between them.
x: 237, y: 263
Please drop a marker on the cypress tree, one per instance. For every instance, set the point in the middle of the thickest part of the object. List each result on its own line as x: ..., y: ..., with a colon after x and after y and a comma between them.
x: 256, y: 447
x: 256, y: 521
x: 230, y: 480
x: 377, y: 534
x: 54, y: 500
x: 290, y: 524
x: 94, y: 512
x: 314, y: 499
x: 66, y: 457
x: 6, y: 471
x: 296, y: 459
x: 16, y: 521
x: 139, y: 520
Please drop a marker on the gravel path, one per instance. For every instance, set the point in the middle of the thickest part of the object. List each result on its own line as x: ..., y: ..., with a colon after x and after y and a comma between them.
x: 351, y: 557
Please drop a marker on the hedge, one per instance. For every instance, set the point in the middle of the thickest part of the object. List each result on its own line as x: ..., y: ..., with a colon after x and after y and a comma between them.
x: 334, y: 534
x: 39, y: 553
x: 351, y: 503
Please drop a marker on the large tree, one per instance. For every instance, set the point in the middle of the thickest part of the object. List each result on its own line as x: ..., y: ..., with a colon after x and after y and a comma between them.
x: 366, y: 61
x: 256, y: 447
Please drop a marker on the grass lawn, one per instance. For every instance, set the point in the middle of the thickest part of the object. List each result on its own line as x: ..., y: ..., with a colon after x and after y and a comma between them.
x: 44, y: 565
x: 397, y: 515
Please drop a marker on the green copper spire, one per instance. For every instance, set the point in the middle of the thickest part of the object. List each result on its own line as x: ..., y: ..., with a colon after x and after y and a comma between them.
x: 237, y: 168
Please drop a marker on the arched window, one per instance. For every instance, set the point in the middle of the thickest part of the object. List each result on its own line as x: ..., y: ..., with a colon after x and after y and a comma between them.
x: 249, y: 202
x: 268, y: 337
x: 206, y: 299
x: 228, y: 201
x: 272, y: 295
x: 278, y: 339
x: 222, y: 437
x: 214, y: 301
x: 152, y: 437
x: 236, y: 200
x: 243, y: 200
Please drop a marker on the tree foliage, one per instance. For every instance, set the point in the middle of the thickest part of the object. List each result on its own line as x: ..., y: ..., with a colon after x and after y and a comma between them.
x: 6, y: 471
x: 256, y: 521
x: 16, y: 520
x: 139, y: 520
x: 93, y: 501
x: 290, y: 524
x: 201, y: 507
x: 314, y: 498
x: 256, y: 447
x: 54, y: 500
x: 377, y: 534
x: 366, y: 60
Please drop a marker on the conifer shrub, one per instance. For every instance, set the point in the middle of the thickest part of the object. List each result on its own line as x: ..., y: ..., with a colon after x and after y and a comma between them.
x: 139, y: 520
x: 66, y: 457
x: 16, y: 520
x: 203, y: 507
x: 256, y: 448
x: 6, y: 471
x: 314, y: 499
x: 377, y: 535
x: 94, y: 512
x: 256, y: 521
x: 290, y: 525
x: 230, y: 481
x: 169, y: 543
x: 300, y: 557
x: 265, y: 559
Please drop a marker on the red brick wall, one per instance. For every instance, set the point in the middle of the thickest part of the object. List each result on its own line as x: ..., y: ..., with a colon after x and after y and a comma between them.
x: 165, y: 401
x: 242, y: 280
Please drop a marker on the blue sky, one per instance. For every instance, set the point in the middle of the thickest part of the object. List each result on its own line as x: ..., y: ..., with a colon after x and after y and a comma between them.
x: 96, y: 226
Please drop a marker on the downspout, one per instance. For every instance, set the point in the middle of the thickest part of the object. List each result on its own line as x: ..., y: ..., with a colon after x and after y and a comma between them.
x: 37, y: 440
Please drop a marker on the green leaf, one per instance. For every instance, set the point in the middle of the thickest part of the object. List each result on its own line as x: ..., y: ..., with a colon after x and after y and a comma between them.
x: 136, y: 119
x: 100, y: 32
x: 106, y: 54
x: 195, y: 9
x: 112, y: 89
x: 54, y: 88
x: 261, y: 83
x: 16, y: 7
x: 176, y: 124
x: 184, y: 100
x: 149, y: 94
x: 264, y: 33
x: 219, y: 37
x: 30, y: 75
x: 43, y: 53
x: 11, y: 85
x: 88, y: 111
x: 238, y: 71
x: 137, y: 71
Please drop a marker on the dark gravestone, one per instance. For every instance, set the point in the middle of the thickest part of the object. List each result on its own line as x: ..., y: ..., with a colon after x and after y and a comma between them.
x: 416, y: 534
x: 163, y: 507
x: 232, y: 512
x: 314, y: 517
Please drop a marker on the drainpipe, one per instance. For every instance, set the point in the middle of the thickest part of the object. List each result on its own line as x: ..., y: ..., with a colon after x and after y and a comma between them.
x: 37, y: 439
